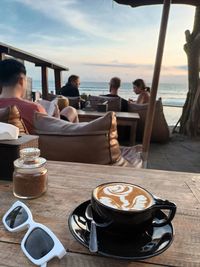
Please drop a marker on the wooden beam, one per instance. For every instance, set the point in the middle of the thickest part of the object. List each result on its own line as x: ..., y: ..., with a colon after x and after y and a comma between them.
x: 20, y: 54
x: 49, y: 65
x: 39, y: 62
x: 45, y: 87
x: 57, y: 75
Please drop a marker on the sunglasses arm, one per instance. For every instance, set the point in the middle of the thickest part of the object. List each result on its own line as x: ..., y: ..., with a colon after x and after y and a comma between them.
x: 44, y: 265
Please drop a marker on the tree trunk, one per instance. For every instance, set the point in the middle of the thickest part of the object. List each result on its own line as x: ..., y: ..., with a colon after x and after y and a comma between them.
x: 190, y: 119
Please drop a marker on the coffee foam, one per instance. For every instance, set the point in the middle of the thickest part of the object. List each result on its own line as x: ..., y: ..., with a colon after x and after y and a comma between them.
x: 123, y: 196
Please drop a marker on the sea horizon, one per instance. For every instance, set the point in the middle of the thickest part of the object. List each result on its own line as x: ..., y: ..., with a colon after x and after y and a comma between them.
x: 172, y: 94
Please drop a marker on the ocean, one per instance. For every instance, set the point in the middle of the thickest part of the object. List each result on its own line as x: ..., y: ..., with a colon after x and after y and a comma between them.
x: 173, y: 95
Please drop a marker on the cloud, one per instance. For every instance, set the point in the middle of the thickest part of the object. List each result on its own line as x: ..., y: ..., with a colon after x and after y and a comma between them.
x: 119, y: 65
x: 70, y: 13
x: 116, y: 64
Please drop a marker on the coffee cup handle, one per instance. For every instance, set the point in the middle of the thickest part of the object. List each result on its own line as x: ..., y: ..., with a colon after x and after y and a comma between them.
x: 165, y: 205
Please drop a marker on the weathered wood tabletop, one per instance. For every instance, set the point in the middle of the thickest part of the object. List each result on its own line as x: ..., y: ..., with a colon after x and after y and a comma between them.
x: 70, y: 184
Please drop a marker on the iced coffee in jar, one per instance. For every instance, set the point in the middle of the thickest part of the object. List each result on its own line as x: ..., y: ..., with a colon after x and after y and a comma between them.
x: 30, y: 174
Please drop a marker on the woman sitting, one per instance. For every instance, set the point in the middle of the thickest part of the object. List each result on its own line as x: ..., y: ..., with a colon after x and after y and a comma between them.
x: 142, y: 90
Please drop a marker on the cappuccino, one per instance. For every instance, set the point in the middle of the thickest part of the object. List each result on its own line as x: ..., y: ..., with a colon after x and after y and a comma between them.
x: 123, y: 196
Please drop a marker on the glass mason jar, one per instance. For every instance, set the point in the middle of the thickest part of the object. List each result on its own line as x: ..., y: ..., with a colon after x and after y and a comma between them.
x: 30, y: 174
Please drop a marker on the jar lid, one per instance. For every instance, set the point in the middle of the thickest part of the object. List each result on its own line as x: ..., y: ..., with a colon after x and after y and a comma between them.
x: 29, y: 158
x: 39, y: 162
x: 29, y: 153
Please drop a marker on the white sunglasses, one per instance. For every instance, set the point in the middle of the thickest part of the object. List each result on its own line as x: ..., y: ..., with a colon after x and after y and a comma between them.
x: 39, y: 243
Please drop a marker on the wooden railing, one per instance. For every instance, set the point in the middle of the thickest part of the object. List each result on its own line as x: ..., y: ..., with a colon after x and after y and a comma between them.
x: 39, y: 62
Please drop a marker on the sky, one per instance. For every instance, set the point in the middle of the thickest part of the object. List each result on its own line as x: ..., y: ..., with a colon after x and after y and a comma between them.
x: 97, y: 39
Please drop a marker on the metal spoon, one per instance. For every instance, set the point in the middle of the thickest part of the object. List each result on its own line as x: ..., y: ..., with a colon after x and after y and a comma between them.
x: 93, y: 246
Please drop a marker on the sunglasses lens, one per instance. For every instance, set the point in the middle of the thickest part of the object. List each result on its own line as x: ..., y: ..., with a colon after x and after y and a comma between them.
x: 16, y: 217
x: 38, y: 243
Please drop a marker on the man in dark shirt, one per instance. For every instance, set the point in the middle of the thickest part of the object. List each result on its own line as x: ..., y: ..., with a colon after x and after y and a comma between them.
x: 123, y: 131
x: 115, y: 83
x: 71, y: 87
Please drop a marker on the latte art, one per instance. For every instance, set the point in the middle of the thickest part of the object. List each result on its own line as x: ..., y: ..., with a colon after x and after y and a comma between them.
x: 123, y: 196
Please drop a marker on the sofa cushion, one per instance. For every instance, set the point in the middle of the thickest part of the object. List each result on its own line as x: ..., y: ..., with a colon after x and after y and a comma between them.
x: 114, y: 103
x: 88, y: 142
x: 11, y: 115
x: 46, y: 124
x: 160, y: 129
x: 4, y: 114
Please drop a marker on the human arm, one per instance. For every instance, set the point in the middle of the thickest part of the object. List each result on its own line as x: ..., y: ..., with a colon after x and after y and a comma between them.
x: 131, y: 100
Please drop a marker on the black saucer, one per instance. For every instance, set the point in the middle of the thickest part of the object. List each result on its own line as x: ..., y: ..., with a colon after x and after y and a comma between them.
x: 149, y: 243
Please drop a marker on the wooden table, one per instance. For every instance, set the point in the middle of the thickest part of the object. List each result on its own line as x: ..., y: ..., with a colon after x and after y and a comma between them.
x: 71, y: 184
x: 123, y: 118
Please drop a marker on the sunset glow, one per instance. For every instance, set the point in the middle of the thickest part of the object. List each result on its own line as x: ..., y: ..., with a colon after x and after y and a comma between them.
x: 97, y: 39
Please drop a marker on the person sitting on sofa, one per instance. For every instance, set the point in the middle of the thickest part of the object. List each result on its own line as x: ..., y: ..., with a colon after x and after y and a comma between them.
x: 14, y: 83
x: 142, y: 90
x: 71, y: 87
x: 115, y: 84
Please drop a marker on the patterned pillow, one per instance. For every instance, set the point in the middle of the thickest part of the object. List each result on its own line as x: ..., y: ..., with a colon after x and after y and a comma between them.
x: 11, y: 115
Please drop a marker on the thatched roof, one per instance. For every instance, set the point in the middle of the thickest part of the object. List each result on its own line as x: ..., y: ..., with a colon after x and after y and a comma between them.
x: 135, y: 3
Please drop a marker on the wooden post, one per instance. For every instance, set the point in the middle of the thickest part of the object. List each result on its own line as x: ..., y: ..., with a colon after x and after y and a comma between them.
x: 57, y: 75
x: 45, y: 88
x: 155, y: 81
x: 1, y: 58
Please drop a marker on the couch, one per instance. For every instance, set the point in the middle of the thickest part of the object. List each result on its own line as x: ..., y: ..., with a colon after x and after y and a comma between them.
x: 90, y: 142
x: 160, y: 129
